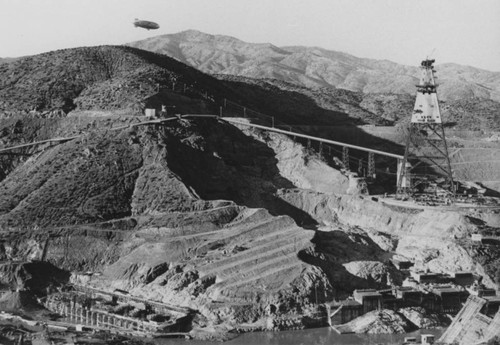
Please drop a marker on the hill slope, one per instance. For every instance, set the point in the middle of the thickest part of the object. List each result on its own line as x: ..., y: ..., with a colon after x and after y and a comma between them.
x: 124, y: 80
x: 106, y: 78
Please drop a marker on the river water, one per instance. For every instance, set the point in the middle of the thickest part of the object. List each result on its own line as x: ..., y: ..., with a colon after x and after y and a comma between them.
x: 315, y: 336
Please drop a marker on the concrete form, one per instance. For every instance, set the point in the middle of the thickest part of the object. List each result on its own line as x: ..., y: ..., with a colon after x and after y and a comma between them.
x: 408, y: 295
x: 117, y: 296
x: 370, y: 299
x: 428, y: 277
x: 463, y: 278
x: 450, y: 299
x: 481, y: 291
x: 436, y: 298
x: 344, y: 311
x: 101, y: 319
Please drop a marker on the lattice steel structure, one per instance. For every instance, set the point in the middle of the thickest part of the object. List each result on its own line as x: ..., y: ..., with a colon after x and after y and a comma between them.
x: 426, y: 142
x: 345, y: 158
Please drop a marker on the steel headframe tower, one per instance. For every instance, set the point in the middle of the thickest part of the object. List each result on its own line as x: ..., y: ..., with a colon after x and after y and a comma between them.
x: 425, y: 142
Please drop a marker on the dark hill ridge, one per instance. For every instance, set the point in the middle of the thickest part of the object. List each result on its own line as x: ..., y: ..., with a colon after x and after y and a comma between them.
x: 135, y: 172
x: 105, y: 78
x: 361, y: 108
x: 123, y: 80
x: 313, y: 66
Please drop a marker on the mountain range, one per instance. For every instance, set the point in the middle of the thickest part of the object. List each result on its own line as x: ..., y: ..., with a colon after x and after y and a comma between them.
x: 317, y: 67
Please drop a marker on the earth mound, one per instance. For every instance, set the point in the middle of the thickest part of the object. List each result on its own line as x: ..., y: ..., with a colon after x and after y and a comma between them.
x: 377, y: 322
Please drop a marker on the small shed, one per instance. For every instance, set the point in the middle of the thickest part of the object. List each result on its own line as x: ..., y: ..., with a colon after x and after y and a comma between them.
x: 149, y: 112
x: 402, y: 264
x: 476, y: 237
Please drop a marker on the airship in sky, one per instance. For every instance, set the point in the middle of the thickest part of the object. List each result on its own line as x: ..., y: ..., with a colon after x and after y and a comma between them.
x: 145, y: 24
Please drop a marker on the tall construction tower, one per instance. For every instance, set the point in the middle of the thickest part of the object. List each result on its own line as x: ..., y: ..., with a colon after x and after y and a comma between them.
x: 426, y: 149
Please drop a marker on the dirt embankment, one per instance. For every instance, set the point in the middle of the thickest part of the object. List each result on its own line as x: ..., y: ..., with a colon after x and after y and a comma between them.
x: 433, y: 239
x: 438, y: 240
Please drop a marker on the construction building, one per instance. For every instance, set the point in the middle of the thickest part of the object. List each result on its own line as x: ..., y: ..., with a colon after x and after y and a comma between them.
x: 370, y: 299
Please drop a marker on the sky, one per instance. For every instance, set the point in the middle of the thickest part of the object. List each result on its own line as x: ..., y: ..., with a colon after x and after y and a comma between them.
x: 466, y: 32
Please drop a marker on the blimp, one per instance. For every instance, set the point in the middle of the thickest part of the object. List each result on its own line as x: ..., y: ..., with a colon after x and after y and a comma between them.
x: 145, y: 24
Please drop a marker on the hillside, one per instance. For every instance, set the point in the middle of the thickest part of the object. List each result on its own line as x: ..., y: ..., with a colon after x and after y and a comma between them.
x: 124, y: 80
x: 104, y: 78
x: 361, y: 108
x: 137, y: 200
x: 317, y: 67
x: 250, y: 229
x: 5, y: 60
x: 380, y: 109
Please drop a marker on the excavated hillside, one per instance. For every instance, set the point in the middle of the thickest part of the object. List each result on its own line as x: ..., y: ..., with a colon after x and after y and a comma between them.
x: 248, y: 228
x: 169, y: 212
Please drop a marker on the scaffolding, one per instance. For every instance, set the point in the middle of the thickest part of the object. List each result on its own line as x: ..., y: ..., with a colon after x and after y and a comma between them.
x: 425, y: 140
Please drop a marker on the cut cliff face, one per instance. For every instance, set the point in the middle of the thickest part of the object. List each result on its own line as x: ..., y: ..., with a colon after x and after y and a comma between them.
x: 433, y: 239
x: 299, y: 165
